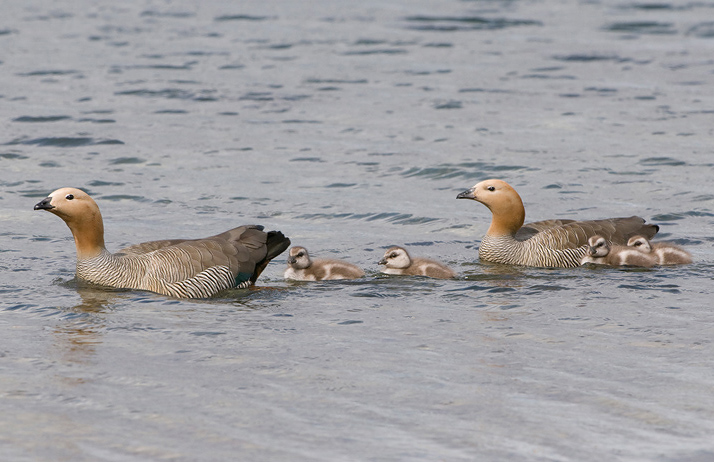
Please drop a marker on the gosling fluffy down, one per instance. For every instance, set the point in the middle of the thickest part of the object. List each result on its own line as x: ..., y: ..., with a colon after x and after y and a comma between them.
x: 664, y: 252
x: 398, y: 261
x: 302, y: 268
x: 601, y: 252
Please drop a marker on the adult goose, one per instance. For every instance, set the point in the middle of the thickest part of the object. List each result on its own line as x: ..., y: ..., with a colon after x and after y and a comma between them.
x: 180, y: 268
x: 549, y: 243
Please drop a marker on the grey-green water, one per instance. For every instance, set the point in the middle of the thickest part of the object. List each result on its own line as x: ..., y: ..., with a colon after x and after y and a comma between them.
x: 352, y: 127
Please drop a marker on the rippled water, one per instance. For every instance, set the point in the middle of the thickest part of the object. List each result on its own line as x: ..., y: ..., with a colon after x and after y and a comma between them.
x: 352, y: 127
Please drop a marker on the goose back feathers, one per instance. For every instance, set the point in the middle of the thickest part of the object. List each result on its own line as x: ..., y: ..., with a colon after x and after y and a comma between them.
x: 548, y: 243
x: 182, y: 268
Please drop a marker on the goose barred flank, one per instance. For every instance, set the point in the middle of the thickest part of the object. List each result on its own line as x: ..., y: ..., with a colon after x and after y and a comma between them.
x: 504, y: 249
x: 181, y: 268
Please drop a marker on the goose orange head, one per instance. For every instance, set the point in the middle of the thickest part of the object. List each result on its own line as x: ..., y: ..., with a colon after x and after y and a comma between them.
x: 504, y: 202
x: 82, y: 216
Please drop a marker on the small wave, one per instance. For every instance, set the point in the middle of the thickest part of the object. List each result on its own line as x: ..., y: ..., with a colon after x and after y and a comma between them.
x: 336, y: 81
x: 341, y: 185
x: 171, y: 93
x: 675, y: 216
x: 669, y: 288
x: 127, y: 160
x: 462, y: 170
x: 12, y: 156
x: 307, y: 159
x: 41, y: 118
x: 642, y: 27
x: 458, y: 23
x: 664, y: 161
x: 97, y: 121
x: 453, y: 104
x: 122, y: 197
x: 63, y: 142
x: 48, y: 72
x: 257, y: 96
x: 168, y: 14
x: 392, y: 217
x: 232, y: 66
x: 702, y: 30
x: 98, y: 183
x: 383, y: 51
x: 242, y: 17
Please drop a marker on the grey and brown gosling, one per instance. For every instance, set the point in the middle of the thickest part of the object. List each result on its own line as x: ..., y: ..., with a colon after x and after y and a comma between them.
x: 601, y: 252
x: 303, y: 268
x: 549, y: 243
x: 181, y: 268
x: 398, y: 261
x: 666, y: 253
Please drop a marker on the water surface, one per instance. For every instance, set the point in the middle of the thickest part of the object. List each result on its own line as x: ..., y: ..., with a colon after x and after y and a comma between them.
x: 351, y: 128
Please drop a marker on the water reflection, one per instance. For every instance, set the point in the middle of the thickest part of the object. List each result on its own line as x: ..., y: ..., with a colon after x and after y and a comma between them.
x: 82, y: 329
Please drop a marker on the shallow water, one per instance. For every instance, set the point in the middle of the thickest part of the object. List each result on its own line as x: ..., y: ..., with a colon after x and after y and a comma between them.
x: 352, y: 127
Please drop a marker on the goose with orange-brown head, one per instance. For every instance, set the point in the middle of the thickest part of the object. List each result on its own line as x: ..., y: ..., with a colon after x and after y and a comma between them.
x: 82, y: 216
x: 182, y: 268
x: 549, y: 243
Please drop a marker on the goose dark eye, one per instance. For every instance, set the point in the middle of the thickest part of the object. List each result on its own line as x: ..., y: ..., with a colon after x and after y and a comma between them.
x: 491, y: 188
x: 69, y: 197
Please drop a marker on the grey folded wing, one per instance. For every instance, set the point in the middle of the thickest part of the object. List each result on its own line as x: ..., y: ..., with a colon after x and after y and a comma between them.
x: 239, y: 250
x: 570, y: 234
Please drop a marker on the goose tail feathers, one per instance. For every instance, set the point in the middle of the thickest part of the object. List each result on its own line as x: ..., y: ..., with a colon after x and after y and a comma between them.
x: 276, y: 244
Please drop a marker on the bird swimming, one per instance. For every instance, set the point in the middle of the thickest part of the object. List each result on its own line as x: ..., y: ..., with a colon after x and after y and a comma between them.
x: 601, y: 252
x: 548, y: 243
x: 303, y: 268
x: 181, y: 268
x: 666, y: 253
x: 398, y: 261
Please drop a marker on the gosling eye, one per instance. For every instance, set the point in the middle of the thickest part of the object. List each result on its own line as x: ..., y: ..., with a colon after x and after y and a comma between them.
x: 69, y: 197
x: 491, y: 188
x: 300, y: 254
x: 394, y: 255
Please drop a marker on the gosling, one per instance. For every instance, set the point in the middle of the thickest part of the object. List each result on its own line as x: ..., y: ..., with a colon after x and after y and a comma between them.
x: 664, y: 252
x: 601, y: 252
x: 398, y: 261
x: 302, y: 268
